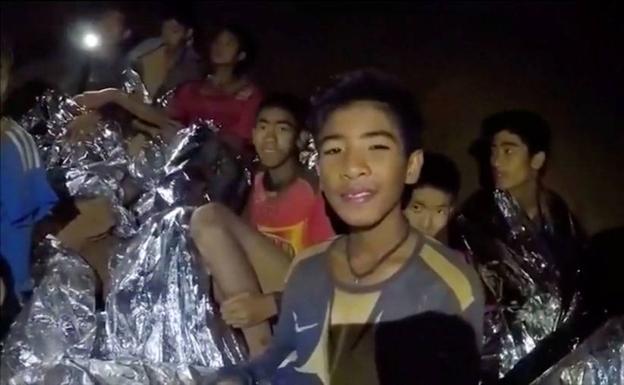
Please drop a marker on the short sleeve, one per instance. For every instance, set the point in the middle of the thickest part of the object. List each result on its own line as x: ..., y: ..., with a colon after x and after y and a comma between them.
x: 177, y: 109
x: 26, y: 195
x: 247, y: 120
x: 319, y: 225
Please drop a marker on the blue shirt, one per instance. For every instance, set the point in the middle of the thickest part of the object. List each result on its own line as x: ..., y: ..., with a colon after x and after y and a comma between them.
x: 25, y: 198
x: 324, y: 334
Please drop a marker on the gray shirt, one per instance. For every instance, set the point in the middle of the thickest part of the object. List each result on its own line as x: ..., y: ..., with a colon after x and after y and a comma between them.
x: 323, y: 334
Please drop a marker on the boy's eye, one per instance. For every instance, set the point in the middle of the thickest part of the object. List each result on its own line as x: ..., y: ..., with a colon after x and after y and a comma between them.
x: 331, y: 151
x: 379, y: 147
x: 261, y: 127
x: 508, y: 151
x: 284, y: 128
x: 417, y: 208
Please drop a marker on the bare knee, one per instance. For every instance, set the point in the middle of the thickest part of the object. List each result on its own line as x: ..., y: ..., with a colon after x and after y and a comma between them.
x: 206, y: 218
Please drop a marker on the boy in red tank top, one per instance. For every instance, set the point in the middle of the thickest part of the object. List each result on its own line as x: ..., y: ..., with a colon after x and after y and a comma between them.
x: 249, y: 257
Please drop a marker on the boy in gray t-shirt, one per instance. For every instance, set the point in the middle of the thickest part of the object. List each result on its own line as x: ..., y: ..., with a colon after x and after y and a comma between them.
x: 368, y: 135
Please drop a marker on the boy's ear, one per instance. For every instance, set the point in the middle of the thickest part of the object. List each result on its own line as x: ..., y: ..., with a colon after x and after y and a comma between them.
x: 414, y: 165
x: 302, y: 140
x: 538, y: 160
x: 189, y: 37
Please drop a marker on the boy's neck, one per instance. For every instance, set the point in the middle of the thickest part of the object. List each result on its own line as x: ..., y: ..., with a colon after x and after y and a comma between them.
x: 223, y: 75
x: 282, y: 175
x: 370, y: 243
x: 527, y: 197
x: 172, y: 51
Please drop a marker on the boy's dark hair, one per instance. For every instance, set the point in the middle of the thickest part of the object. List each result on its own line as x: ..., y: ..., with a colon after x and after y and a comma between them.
x: 529, y: 126
x: 108, y: 8
x: 428, y: 348
x: 439, y: 172
x: 246, y: 44
x: 181, y: 13
x: 371, y: 85
x: 288, y: 102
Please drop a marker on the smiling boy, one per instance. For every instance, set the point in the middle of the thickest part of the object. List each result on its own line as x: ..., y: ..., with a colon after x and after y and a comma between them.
x: 368, y: 133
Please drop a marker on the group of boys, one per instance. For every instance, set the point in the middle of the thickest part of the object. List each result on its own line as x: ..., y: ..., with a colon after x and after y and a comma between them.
x: 383, y: 301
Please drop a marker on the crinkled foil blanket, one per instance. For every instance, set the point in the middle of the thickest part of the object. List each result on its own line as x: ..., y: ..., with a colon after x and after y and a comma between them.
x: 519, y: 268
x: 160, y: 324
x: 599, y: 360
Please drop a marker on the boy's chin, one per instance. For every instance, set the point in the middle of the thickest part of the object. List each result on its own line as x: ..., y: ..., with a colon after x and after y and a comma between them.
x: 359, y: 220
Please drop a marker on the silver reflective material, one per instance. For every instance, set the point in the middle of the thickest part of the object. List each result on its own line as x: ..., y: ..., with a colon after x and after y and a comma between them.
x: 54, y: 110
x: 519, y: 270
x: 158, y: 169
x: 161, y: 324
x: 308, y: 156
x: 133, y: 84
x: 131, y: 372
x: 92, y: 166
x: 58, y: 322
x: 599, y: 360
x: 159, y: 307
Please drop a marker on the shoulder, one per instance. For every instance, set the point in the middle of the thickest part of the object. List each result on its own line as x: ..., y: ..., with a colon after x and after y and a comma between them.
x: 476, y: 203
x: 555, y: 202
x: 310, y: 252
x: 309, y: 263
x: 452, y: 269
x: 17, y: 143
x: 143, y: 49
x: 249, y: 91
x: 311, y: 179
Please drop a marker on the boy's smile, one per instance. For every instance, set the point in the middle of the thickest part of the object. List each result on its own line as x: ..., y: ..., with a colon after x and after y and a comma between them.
x: 363, y: 167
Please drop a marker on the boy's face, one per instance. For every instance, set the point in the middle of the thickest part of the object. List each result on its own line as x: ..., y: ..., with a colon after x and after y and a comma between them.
x: 173, y: 33
x: 112, y: 26
x: 224, y: 49
x: 429, y: 209
x: 275, y: 136
x: 363, y: 167
x: 512, y: 164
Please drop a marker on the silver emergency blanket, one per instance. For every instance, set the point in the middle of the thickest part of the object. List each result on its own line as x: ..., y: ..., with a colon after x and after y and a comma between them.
x: 93, y: 165
x: 161, y: 324
x: 58, y: 322
x: 133, y: 84
x: 308, y: 154
x: 158, y: 169
x: 599, y: 360
x: 159, y: 307
x: 520, y: 272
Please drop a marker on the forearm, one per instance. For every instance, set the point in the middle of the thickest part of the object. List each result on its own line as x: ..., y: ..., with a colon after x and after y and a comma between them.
x: 150, y: 114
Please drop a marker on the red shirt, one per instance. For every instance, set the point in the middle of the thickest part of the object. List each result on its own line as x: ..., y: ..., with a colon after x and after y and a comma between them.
x: 233, y: 114
x: 294, y: 218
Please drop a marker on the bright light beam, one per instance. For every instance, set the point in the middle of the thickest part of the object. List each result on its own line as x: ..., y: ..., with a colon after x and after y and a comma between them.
x: 91, y: 41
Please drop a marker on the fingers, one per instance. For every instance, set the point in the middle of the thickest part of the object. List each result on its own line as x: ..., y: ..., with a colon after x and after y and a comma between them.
x: 235, y: 312
x: 237, y: 319
x: 235, y: 299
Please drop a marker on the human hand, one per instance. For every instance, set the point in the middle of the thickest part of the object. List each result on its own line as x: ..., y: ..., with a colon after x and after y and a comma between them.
x: 97, y: 99
x: 83, y: 125
x: 246, y: 310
